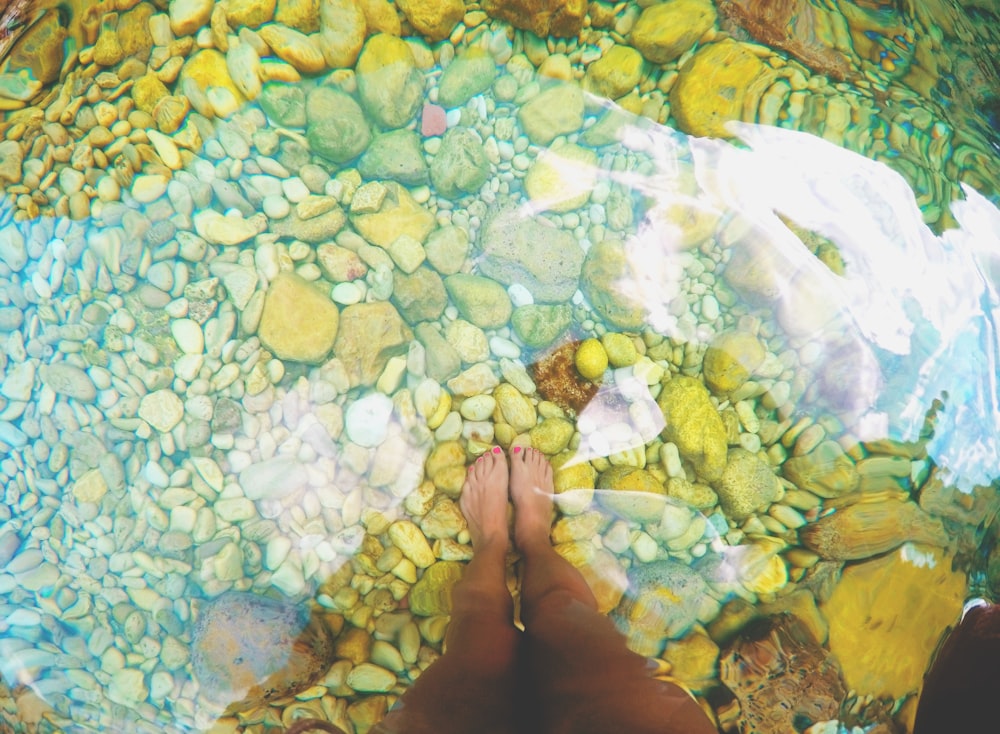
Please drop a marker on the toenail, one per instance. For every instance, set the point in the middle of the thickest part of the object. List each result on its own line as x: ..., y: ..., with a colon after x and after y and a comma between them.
x: 496, y: 449
x: 517, y: 449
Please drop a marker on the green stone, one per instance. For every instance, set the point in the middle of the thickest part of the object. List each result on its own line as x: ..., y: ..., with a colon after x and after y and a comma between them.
x: 397, y: 156
x: 471, y: 73
x: 538, y: 325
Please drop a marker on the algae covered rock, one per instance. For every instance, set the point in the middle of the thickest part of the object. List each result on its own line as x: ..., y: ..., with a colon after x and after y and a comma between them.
x: 731, y: 359
x: 539, y: 324
x: 747, y: 485
x: 694, y: 425
x: 431, y: 595
x: 247, y: 650
x: 434, y: 19
x: 299, y: 322
x: 633, y: 493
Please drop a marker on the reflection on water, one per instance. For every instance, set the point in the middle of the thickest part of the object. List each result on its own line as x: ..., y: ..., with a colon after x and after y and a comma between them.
x: 257, y: 319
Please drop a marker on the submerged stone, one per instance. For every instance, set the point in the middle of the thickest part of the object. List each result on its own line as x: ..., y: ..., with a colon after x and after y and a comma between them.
x: 607, y: 280
x: 369, y: 335
x: 632, y: 493
x: 470, y: 73
x: 480, y: 300
x: 390, y: 86
x: 666, y: 30
x: 538, y: 325
x: 747, y: 485
x: 336, y: 127
x: 715, y: 87
x: 664, y: 600
x: 460, y: 166
x: 519, y: 249
x: 541, y: 17
x: 887, y: 616
x: 694, y: 425
x: 431, y: 595
x: 434, y: 19
x: 299, y: 323
x: 395, y: 155
x: 555, y: 111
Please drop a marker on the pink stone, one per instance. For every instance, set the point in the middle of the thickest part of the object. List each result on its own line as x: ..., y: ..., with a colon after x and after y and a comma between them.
x: 432, y: 120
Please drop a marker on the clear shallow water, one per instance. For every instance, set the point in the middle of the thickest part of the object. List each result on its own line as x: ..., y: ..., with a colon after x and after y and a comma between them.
x: 158, y: 455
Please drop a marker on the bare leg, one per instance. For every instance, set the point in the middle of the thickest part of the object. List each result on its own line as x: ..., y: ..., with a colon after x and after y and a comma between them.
x: 471, y: 687
x: 587, y: 679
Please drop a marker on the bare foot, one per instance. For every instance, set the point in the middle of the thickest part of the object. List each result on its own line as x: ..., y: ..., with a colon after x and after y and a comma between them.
x: 531, y: 490
x: 484, y: 500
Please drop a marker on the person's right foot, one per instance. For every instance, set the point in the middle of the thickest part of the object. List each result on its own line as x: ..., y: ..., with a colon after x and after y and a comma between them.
x: 531, y: 492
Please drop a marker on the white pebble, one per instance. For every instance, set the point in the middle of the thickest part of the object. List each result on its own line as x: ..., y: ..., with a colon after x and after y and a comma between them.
x: 367, y: 420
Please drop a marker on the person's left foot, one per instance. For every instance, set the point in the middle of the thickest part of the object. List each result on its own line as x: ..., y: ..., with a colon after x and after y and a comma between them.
x: 484, y: 500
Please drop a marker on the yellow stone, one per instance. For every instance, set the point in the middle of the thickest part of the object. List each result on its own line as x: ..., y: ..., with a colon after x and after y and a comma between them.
x: 552, y: 435
x: 431, y: 595
x: 406, y: 536
x: 299, y: 322
x: 730, y: 360
x: 251, y: 13
x: 207, y: 68
x: 591, y: 359
x: 353, y: 644
x: 445, y: 455
x: 562, y: 177
x: 398, y: 214
x: 666, y: 30
x: 303, y: 15
x: 694, y: 659
x: 886, y: 617
x: 620, y: 349
x: 721, y: 82
x: 147, y: 91
x: 633, y: 493
x: 434, y: 19
x: 513, y: 408
x: 616, y: 73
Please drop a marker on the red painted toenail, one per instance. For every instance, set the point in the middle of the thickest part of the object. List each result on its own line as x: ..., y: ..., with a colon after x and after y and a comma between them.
x: 496, y: 449
x: 517, y: 449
